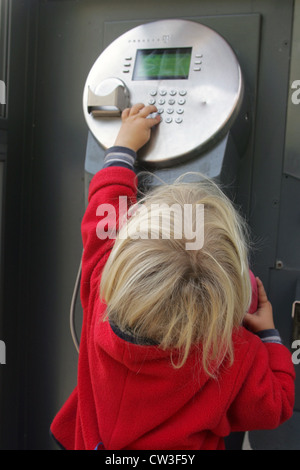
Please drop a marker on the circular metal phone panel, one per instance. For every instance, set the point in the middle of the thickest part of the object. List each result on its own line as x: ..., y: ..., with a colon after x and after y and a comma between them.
x: 186, y: 69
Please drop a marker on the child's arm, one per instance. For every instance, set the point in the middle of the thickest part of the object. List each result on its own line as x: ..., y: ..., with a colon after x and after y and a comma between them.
x: 265, y: 395
x: 114, y: 180
x: 134, y: 134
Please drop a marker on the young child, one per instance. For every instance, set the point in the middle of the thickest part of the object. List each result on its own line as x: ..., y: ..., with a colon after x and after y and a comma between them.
x: 169, y: 358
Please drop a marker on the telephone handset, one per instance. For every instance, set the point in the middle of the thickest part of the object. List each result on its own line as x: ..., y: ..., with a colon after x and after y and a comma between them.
x: 111, y: 97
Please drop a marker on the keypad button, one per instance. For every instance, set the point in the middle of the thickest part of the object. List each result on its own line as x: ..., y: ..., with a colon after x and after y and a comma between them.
x: 178, y: 120
x: 173, y: 92
x: 182, y: 92
x: 171, y: 101
x: 160, y: 110
x: 151, y: 101
x: 181, y: 101
x: 161, y: 101
x: 153, y: 92
x: 170, y: 110
x: 162, y: 92
x: 168, y: 120
x: 180, y: 111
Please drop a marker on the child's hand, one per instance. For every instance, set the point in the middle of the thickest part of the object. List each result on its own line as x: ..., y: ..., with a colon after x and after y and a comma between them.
x: 262, y: 319
x: 136, y: 126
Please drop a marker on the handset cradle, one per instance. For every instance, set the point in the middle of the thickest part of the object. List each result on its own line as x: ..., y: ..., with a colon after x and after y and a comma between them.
x: 109, y: 100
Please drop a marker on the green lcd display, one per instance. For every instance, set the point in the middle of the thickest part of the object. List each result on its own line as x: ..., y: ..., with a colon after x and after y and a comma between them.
x: 158, y: 64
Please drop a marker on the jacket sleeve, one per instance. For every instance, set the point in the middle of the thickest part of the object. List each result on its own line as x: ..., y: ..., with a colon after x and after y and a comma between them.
x: 111, y: 192
x: 265, y: 393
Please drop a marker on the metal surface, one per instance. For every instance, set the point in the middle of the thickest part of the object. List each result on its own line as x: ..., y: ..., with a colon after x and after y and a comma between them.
x: 204, y: 105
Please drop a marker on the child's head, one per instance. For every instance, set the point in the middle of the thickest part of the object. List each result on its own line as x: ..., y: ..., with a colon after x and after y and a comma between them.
x: 159, y: 288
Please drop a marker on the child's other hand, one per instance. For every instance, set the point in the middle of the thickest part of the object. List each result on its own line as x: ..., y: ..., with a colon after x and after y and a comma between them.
x: 262, y: 319
x: 136, y: 126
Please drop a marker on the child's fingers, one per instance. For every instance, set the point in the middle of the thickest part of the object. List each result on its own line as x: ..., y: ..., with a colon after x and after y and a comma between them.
x: 136, y: 108
x: 262, y: 296
x: 152, y: 121
x: 147, y: 110
x: 125, y: 113
x: 140, y: 109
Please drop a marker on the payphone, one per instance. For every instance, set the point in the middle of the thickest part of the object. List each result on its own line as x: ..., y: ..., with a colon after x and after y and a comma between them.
x: 193, y: 77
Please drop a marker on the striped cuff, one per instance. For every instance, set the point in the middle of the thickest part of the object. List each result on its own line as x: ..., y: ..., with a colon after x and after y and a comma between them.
x: 120, y: 156
x: 269, y: 336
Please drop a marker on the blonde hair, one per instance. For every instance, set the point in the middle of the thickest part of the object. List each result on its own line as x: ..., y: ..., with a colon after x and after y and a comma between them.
x: 178, y: 298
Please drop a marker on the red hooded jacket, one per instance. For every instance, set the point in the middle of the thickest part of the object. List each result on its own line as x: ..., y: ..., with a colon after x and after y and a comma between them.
x: 128, y: 396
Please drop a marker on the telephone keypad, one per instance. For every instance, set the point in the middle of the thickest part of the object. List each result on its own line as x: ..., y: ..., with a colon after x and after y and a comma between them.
x: 175, y: 104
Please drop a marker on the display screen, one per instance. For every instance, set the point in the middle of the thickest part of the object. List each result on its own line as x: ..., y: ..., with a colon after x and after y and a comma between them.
x: 156, y: 64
